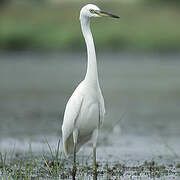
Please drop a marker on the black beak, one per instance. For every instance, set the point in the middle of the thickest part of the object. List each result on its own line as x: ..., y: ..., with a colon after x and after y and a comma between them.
x: 106, y: 14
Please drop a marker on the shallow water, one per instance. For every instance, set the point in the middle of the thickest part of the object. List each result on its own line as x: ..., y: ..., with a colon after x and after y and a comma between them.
x: 142, y: 96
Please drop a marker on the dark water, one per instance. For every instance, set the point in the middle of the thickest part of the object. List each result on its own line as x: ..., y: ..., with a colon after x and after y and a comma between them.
x: 142, y: 96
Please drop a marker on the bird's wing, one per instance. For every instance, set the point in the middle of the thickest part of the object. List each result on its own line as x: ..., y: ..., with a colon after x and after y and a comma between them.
x: 72, y: 111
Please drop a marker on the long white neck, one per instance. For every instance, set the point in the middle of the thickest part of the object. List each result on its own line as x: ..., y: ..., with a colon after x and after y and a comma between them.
x: 91, y: 74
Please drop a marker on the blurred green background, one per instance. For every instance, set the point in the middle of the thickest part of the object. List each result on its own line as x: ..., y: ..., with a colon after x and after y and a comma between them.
x: 54, y: 25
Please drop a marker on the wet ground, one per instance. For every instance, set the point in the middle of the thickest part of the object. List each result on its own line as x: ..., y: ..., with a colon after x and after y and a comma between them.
x: 142, y: 96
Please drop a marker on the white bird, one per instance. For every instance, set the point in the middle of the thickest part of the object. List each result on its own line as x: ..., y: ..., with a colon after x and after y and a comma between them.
x: 84, y: 113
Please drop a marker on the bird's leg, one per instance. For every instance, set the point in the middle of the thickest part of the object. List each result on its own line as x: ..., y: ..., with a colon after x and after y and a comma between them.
x: 94, y: 155
x: 74, y: 163
x: 94, y: 164
x: 75, y: 135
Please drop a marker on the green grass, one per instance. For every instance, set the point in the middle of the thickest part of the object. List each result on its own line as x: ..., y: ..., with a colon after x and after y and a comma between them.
x: 28, y: 167
x: 142, y: 27
x: 52, y: 165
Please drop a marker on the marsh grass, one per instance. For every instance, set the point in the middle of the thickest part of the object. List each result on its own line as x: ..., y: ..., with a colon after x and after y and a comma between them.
x: 55, y: 166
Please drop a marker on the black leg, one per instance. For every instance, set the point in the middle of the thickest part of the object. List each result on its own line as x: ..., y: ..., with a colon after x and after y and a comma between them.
x: 74, y: 163
x: 94, y: 164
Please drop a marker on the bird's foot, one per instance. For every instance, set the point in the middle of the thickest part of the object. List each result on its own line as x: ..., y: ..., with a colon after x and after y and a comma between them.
x: 74, y: 172
x: 94, y: 171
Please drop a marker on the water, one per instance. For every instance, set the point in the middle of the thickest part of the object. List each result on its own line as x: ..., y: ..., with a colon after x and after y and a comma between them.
x: 142, y: 96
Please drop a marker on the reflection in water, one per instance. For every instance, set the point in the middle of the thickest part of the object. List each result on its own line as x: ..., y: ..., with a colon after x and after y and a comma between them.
x: 34, y: 89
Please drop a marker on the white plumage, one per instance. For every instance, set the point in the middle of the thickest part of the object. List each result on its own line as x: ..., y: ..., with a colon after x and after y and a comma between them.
x: 85, y: 108
x: 84, y: 113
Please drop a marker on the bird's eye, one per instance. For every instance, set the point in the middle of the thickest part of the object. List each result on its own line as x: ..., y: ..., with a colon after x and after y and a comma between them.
x: 92, y: 11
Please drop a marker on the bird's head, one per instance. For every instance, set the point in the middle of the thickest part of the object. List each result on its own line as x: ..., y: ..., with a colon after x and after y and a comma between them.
x: 91, y: 10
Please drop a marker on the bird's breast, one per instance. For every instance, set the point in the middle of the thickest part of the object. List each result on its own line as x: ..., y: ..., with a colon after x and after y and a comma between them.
x: 88, y: 118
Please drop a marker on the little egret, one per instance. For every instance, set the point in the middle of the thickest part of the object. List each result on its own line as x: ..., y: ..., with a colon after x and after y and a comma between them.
x: 84, y: 113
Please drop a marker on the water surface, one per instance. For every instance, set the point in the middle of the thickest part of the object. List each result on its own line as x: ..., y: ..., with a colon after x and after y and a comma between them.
x: 142, y: 97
